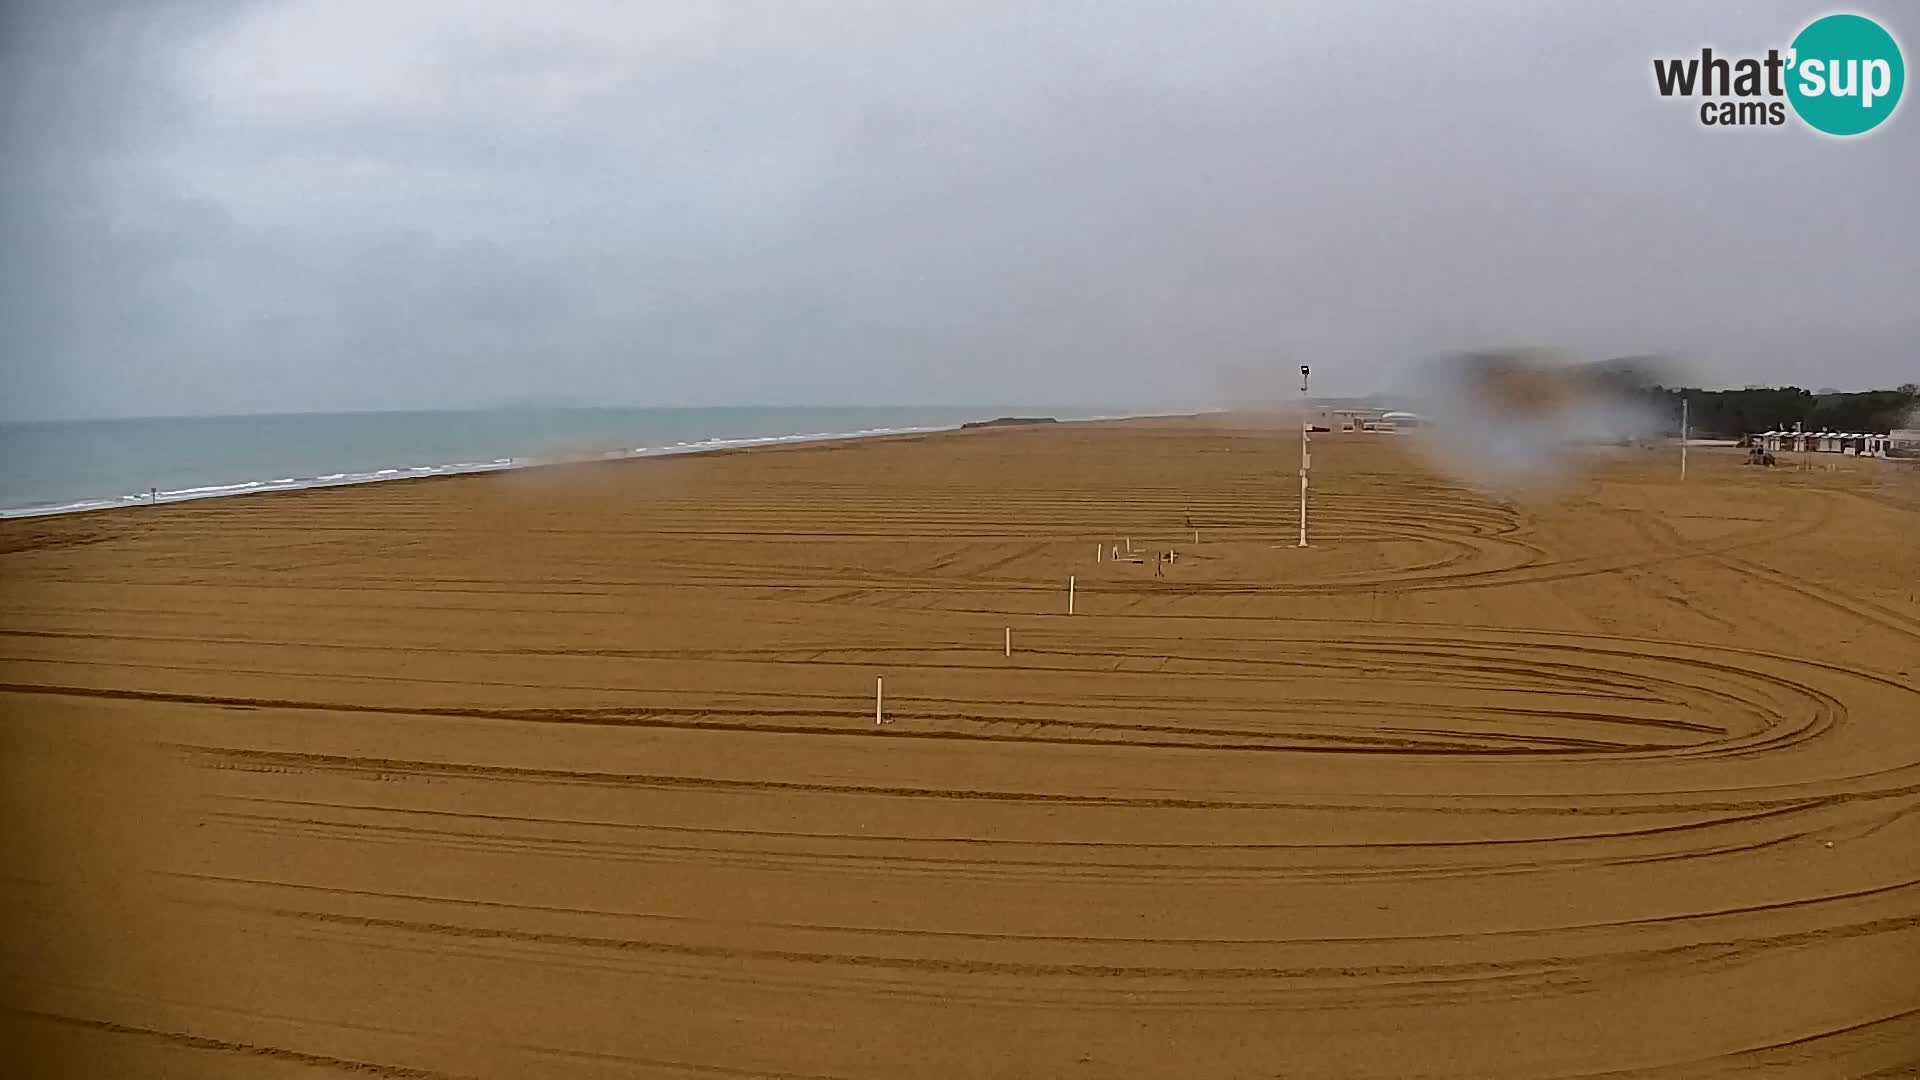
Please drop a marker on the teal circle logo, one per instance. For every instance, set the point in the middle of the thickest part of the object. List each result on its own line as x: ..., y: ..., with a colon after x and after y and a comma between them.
x: 1845, y: 74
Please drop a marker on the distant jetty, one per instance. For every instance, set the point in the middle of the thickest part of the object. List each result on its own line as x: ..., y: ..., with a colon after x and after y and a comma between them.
x: 1008, y: 421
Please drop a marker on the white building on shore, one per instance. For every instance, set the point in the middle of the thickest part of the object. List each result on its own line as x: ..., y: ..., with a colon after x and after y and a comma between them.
x: 1854, y: 444
x: 1372, y: 419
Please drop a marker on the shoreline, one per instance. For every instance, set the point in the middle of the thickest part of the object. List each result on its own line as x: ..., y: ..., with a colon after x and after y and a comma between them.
x: 498, y: 465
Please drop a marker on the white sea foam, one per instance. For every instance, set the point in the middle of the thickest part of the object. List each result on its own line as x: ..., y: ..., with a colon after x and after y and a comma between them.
x: 64, y: 508
x: 210, y: 489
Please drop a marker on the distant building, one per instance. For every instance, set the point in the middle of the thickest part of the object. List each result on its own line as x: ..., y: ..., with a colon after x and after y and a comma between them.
x: 1353, y: 419
x: 1372, y: 419
x: 1856, y: 444
x: 1904, y: 442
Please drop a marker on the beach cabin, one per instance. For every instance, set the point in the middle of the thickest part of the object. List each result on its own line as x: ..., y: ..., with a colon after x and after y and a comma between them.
x: 1355, y: 419
x: 1856, y: 444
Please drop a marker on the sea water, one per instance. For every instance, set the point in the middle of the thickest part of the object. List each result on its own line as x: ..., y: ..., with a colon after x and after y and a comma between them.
x: 64, y: 466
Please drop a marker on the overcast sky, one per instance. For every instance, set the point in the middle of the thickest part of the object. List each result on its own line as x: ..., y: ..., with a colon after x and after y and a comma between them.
x: 354, y: 204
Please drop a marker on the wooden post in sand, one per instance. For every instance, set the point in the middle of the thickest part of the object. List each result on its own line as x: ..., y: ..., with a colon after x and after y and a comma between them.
x: 1009, y: 641
x: 1683, y: 438
x: 878, y: 680
x: 1306, y: 452
x: 1069, y: 594
x: 1196, y: 538
x: 1099, y: 552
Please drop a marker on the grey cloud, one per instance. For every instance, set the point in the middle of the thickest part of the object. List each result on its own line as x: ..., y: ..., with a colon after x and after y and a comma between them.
x: 341, y: 205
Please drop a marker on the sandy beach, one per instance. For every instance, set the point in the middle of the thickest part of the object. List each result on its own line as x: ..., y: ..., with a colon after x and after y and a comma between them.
x: 575, y: 772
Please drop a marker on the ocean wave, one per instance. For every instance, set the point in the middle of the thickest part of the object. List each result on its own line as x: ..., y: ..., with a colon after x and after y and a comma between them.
x: 68, y: 508
x: 499, y: 464
x: 210, y: 489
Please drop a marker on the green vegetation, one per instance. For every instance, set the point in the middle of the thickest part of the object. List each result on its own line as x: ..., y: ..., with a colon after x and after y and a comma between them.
x: 1732, y: 413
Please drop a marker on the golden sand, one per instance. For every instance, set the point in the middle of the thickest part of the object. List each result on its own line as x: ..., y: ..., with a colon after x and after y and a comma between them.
x: 574, y: 772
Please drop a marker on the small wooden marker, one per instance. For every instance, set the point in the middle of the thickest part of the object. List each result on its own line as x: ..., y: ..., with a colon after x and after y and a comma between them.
x: 877, y: 698
x: 1009, y: 641
x: 1129, y: 545
x: 1172, y: 556
x: 1069, y: 594
x: 1099, y: 552
x: 1196, y: 538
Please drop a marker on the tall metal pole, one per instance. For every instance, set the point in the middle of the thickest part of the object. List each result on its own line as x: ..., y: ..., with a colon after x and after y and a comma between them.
x: 1683, y: 438
x: 1306, y: 454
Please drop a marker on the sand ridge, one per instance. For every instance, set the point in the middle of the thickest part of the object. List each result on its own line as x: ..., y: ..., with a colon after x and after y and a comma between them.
x: 574, y: 772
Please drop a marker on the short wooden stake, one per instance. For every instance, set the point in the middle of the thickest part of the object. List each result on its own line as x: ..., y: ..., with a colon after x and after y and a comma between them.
x: 1009, y: 641
x: 878, y: 689
x: 1099, y: 552
x: 1069, y: 594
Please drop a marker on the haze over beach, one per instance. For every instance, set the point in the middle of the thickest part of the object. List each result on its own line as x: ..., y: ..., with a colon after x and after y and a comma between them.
x: 856, y: 540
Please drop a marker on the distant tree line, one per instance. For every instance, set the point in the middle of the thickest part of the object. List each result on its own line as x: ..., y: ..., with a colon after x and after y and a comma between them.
x: 1728, y: 414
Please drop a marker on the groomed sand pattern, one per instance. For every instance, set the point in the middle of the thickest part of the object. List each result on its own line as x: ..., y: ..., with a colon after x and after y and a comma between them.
x: 574, y: 772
